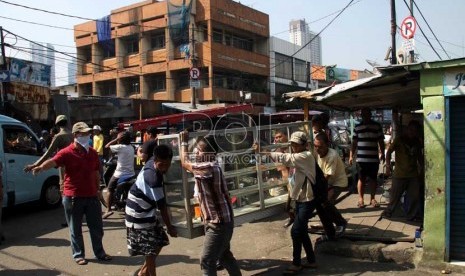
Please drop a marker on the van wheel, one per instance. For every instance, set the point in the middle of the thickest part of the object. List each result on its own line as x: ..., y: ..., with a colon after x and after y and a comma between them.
x: 51, y: 195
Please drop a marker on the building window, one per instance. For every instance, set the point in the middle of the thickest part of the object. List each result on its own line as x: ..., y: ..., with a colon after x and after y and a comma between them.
x: 217, y: 36
x: 158, y: 83
x: 108, y: 88
x: 183, y: 81
x: 242, y: 43
x: 300, y: 70
x: 157, y: 41
x: 132, y: 45
x: 228, y: 39
x: 283, y: 65
x: 135, y: 87
x: 205, y: 32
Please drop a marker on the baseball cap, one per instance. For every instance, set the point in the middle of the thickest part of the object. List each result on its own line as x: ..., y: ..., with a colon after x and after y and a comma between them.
x: 97, y: 127
x: 299, y: 137
x: 60, y: 118
x: 81, y: 127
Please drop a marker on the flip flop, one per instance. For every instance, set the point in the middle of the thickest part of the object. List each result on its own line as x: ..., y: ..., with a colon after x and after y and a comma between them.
x: 360, y: 204
x: 81, y: 261
x: 374, y: 203
x: 107, y: 214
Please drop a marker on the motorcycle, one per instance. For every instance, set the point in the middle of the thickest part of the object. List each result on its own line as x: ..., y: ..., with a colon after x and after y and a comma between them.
x: 122, y: 187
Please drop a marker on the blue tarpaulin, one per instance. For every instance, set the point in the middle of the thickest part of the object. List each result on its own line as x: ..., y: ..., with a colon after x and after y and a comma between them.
x: 104, y: 34
x: 178, y: 20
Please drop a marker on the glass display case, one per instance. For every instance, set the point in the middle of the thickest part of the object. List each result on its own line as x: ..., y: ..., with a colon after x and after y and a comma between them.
x: 257, y: 184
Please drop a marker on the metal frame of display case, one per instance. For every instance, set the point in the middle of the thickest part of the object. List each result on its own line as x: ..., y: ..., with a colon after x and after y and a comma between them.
x: 245, y: 172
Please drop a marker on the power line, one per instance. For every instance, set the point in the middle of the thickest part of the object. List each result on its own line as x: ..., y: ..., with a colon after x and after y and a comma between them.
x: 46, y: 11
x: 79, y: 17
x: 430, y: 28
x: 76, y: 58
x: 319, y: 19
x: 318, y: 34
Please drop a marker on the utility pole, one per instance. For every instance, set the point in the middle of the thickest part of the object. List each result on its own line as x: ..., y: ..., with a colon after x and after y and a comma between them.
x: 2, y: 66
x: 412, y: 52
x: 393, y: 32
x: 194, y: 65
x: 2, y: 44
x: 395, y: 116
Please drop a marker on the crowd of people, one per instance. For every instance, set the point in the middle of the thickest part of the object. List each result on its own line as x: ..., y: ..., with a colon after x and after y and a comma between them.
x: 305, y: 167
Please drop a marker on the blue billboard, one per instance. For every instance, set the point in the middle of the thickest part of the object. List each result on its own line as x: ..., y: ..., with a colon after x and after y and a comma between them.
x: 29, y: 72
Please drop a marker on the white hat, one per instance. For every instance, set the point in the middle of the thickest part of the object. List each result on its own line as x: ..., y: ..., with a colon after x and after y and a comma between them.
x: 97, y: 127
x: 299, y: 137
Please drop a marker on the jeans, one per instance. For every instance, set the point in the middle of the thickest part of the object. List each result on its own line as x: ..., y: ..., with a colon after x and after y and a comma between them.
x: 216, y: 246
x: 299, y: 232
x: 75, y: 209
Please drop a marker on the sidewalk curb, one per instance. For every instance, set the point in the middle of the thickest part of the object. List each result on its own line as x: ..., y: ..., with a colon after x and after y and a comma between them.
x: 401, y: 253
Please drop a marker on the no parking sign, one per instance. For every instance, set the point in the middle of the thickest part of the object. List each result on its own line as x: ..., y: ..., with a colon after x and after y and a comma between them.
x: 408, y: 27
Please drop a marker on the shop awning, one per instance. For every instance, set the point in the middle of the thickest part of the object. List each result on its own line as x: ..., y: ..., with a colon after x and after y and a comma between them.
x: 187, y: 116
x: 393, y: 87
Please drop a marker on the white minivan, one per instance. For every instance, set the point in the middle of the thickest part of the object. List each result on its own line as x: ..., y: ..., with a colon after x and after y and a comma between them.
x: 19, y: 146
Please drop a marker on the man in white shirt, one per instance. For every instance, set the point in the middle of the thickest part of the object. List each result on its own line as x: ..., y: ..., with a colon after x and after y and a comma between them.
x: 124, y: 166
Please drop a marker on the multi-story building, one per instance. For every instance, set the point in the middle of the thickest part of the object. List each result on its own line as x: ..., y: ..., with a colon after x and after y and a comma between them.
x: 300, y: 34
x: 152, y: 47
x: 288, y: 70
x: 45, y: 54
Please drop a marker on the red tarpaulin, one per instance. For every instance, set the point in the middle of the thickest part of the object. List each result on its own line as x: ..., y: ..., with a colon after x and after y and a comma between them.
x: 183, y: 117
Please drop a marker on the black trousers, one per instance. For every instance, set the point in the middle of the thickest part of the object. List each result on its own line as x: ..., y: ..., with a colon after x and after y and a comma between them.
x: 329, y: 215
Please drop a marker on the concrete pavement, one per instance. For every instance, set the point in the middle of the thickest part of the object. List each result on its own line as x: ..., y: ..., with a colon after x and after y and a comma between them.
x: 37, y: 245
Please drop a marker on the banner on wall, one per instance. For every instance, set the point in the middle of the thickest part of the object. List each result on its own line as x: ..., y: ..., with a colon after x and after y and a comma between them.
x: 29, y: 72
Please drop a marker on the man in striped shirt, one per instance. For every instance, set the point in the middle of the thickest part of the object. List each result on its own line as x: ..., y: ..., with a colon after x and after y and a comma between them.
x: 145, y: 234
x: 215, y: 205
x: 368, y: 142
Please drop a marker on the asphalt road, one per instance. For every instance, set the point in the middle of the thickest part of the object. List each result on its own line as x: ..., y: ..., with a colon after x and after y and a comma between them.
x: 37, y: 245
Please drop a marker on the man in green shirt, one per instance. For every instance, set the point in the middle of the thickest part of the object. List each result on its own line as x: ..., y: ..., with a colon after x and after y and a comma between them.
x: 60, y: 141
x: 408, y: 164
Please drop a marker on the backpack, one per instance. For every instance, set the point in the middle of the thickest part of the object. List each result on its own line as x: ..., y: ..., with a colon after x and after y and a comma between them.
x: 320, y: 187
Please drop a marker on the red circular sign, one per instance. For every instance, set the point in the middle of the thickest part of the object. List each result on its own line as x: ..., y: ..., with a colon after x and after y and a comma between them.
x: 408, y: 27
x: 194, y: 73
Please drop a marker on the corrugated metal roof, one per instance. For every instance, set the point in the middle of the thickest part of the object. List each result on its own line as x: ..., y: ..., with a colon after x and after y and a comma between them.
x: 393, y: 87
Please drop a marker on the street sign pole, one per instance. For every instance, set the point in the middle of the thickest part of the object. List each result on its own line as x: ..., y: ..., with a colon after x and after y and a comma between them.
x: 412, y: 52
x: 194, y: 65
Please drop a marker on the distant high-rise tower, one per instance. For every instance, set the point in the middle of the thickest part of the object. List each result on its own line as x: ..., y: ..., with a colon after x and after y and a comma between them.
x: 300, y: 34
x: 45, y: 54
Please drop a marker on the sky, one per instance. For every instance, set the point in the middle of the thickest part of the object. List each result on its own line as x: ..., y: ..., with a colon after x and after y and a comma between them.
x: 362, y: 32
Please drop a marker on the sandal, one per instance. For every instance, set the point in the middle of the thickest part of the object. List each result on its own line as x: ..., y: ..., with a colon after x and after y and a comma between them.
x: 107, y: 215
x: 105, y: 257
x: 81, y: 261
x: 360, y: 204
x: 374, y: 203
x: 292, y: 270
